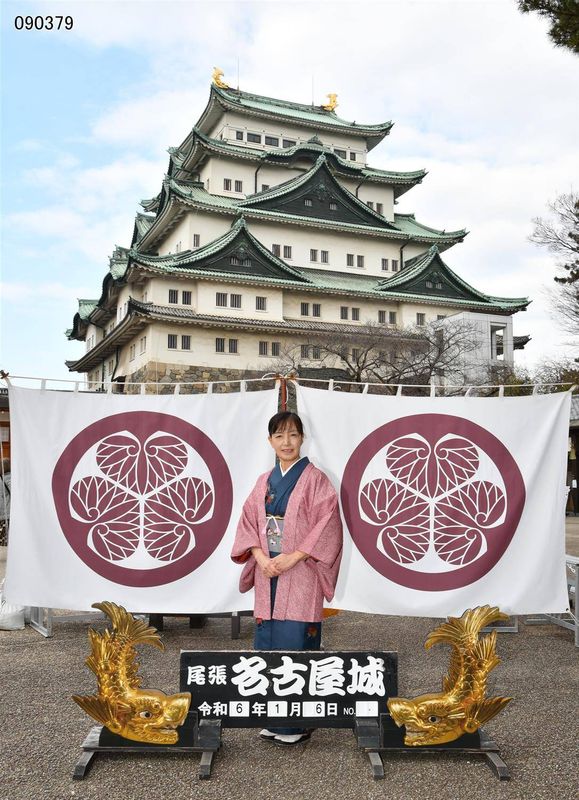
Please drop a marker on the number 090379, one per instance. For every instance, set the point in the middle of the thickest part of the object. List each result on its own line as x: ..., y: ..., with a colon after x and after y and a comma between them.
x: 43, y: 23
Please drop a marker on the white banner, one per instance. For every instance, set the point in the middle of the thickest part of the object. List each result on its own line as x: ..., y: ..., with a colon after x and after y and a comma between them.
x: 448, y: 503
x: 133, y: 499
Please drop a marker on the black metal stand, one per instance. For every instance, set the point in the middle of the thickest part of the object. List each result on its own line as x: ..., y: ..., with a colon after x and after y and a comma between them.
x: 194, y: 737
x: 381, y: 737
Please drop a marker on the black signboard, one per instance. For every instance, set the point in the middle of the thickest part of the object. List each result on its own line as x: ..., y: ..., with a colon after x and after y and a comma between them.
x: 278, y: 688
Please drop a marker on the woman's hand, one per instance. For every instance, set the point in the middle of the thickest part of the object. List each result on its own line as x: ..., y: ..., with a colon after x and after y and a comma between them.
x: 286, y: 561
x: 266, y: 564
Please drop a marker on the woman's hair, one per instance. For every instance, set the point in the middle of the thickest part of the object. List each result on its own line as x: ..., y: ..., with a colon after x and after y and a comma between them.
x: 282, y: 420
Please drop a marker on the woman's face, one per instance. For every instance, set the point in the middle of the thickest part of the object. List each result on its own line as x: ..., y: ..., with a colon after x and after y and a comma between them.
x: 287, y: 443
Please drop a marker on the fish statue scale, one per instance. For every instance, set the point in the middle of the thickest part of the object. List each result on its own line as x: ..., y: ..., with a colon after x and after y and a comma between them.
x: 142, y: 715
x: 461, y: 707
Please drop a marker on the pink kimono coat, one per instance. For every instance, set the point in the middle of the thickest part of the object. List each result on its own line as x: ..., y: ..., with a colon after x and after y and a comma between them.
x: 312, y: 524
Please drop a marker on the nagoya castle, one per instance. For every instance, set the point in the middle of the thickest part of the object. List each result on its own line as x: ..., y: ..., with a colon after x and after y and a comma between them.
x: 271, y: 229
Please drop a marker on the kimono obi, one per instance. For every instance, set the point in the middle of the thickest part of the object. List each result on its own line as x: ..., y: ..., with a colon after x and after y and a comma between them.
x: 274, y: 533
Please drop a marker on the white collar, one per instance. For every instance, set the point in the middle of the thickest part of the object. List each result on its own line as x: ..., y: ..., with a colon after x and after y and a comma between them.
x: 284, y: 473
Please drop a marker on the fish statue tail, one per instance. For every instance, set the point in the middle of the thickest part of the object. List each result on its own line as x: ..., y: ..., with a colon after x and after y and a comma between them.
x: 460, y: 630
x: 124, y: 624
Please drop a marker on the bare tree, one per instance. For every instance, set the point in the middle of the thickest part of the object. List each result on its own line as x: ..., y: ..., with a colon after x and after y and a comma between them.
x: 559, y: 233
x: 371, y: 353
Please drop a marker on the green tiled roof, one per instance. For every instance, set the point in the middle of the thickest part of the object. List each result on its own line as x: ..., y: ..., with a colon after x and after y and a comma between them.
x: 86, y: 307
x: 297, y: 111
x: 419, y: 265
x: 417, y: 230
x: 188, y: 260
x: 197, y: 195
x: 180, y: 159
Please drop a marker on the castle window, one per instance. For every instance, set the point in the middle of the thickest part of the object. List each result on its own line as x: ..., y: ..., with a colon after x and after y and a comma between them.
x: 355, y: 353
x: 196, y: 240
x: 275, y: 348
x: 219, y: 345
x: 186, y: 298
x: 221, y: 300
x: 394, y: 265
x: 392, y: 318
x: 380, y: 208
x: 304, y: 351
x: 261, y: 303
x: 349, y: 259
x: 264, y: 187
x: 172, y: 341
x: 429, y: 285
x: 370, y: 204
x: 313, y: 255
x: 308, y: 202
x: 287, y: 251
x: 235, y: 300
x: 360, y: 262
x: 316, y: 353
x: 316, y: 310
x: 276, y: 249
x: 263, y: 348
x: 325, y: 256
x: 438, y: 285
x: 356, y: 314
x: 384, y: 263
x: 421, y: 319
x: 382, y: 317
x: 142, y: 344
x: 340, y: 153
x: 132, y: 352
x: 343, y: 312
x: 273, y: 141
x: 352, y: 156
x: 289, y: 143
x: 239, y: 135
x: 305, y: 310
x: 173, y: 296
x: 234, y: 260
x: 186, y: 342
x: 333, y: 206
x: 254, y: 137
x: 234, y: 345
x: 227, y: 184
x: 440, y: 316
x: 238, y: 186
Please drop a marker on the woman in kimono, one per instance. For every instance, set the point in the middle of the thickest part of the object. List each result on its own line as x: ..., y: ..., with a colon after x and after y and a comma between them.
x: 289, y: 539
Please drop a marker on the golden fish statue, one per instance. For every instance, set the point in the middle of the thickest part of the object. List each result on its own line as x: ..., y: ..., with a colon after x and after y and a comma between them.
x: 461, y: 707
x: 143, y: 715
x: 333, y: 102
x: 217, y: 78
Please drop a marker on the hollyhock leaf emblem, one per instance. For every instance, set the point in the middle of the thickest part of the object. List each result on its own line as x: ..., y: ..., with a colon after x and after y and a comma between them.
x: 143, y: 498
x: 456, y: 460
x: 432, y: 500
x: 95, y: 498
x: 407, y: 460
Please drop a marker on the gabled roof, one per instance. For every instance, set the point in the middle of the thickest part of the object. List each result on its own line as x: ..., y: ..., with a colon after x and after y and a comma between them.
x: 429, y: 275
x: 261, y: 107
x: 142, y: 224
x: 310, y: 195
x: 198, y: 146
x: 176, y: 196
x: 237, y: 252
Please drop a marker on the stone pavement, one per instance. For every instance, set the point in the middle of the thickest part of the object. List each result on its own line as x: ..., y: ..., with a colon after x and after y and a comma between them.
x: 42, y: 729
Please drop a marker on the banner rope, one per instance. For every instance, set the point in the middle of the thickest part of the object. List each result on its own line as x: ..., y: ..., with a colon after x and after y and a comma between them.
x: 331, y: 384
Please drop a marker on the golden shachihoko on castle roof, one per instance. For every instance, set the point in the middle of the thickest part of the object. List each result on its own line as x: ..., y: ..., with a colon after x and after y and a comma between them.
x: 269, y: 222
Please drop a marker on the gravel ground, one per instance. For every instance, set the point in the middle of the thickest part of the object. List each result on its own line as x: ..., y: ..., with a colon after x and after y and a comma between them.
x: 42, y: 729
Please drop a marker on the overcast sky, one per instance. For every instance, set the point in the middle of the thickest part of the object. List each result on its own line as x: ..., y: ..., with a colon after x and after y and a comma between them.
x: 479, y: 97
